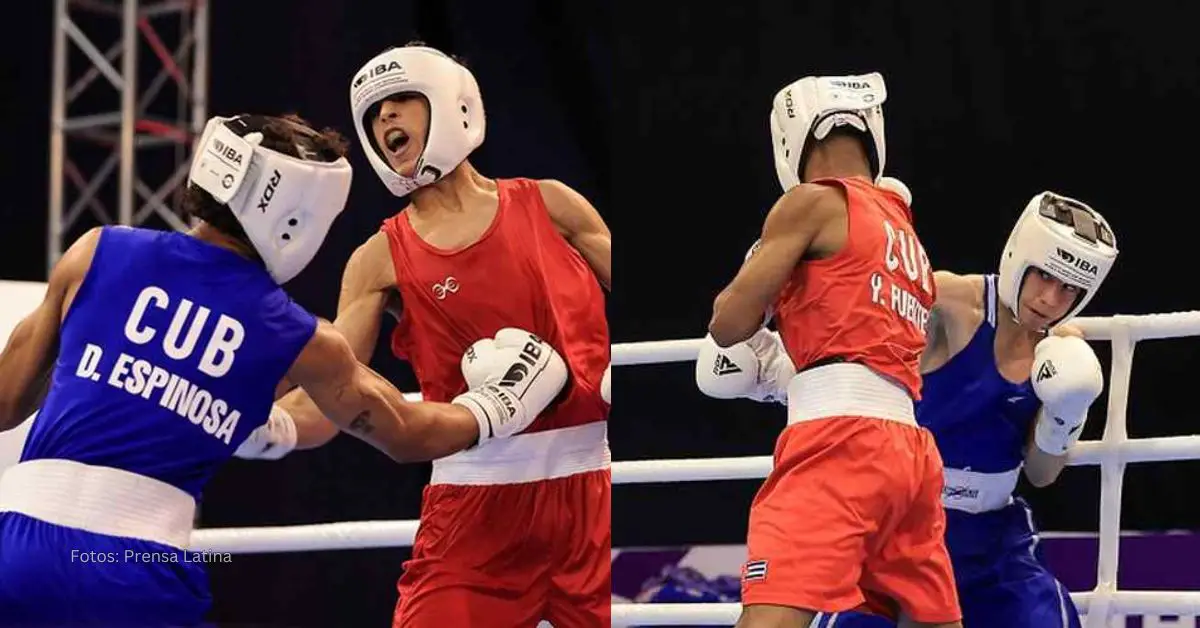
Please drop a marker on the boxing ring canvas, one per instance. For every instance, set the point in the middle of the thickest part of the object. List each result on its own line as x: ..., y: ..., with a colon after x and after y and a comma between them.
x: 1105, y: 602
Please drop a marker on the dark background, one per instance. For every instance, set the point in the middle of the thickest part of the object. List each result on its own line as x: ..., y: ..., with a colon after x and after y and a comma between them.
x: 658, y: 113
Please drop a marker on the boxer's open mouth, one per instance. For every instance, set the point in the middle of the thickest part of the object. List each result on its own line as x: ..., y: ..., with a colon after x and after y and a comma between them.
x: 395, y: 140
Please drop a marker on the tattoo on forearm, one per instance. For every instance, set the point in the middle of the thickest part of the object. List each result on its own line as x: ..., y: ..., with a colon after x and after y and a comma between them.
x: 362, y: 423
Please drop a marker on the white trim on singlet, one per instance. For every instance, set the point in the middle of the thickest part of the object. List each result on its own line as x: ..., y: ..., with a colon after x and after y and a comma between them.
x: 989, y: 299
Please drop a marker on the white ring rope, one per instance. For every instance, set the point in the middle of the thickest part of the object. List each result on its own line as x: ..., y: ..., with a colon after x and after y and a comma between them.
x: 1111, y: 453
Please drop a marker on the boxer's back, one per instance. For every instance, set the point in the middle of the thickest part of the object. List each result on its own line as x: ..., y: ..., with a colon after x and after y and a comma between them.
x: 520, y: 273
x: 868, y: 303
x: 169, y: 357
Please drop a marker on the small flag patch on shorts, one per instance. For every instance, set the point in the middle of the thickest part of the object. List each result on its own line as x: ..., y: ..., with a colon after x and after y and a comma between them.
x: 754, y: 570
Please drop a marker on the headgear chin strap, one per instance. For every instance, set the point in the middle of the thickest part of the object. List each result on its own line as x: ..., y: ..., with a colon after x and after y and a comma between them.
x: 456, y: 119
x: 1063, y: 237
x: 285, y: 204
x: 808, y: 109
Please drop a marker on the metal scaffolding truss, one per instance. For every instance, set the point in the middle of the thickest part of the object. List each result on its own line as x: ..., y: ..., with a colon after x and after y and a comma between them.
x: 154, y: 116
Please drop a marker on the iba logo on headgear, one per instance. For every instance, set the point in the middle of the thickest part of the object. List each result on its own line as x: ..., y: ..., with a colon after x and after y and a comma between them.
x: 382, y: 68
x: 1077, y: 262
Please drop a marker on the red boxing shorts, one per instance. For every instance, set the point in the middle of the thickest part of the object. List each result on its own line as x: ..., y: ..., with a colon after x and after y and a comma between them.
x: 512, y: 554
x: 851, y: 517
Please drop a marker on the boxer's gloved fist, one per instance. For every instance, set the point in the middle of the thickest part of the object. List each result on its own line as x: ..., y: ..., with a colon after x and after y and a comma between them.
x: 271, y: 440
x: 1067, y: 378
x: 510, y: 379
x: 758, y: 368
x: 481, y: 360
x: 606, y: 385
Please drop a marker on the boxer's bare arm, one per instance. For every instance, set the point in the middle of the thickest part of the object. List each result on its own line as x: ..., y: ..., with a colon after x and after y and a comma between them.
x: 792, y: 226
x: 366, y: 283
x: 1042, y: 468
x: 28, y: 358
x: 579, y: 222
x: 954, y: 317
x: 361, y: 402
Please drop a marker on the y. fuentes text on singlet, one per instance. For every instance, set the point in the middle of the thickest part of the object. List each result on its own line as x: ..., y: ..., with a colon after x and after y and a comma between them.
x: 904, y: 255
x: 141, y: 378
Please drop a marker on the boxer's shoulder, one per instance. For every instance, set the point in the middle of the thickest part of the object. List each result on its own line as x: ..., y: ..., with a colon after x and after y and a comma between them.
x: 570, y: 211
x: 557, y: 196
x: 809, y: 203
x: 325, y: 355
x: 73, y: 266
x: 370, y: 265
x: 956, y: 290
x: 959, y: 303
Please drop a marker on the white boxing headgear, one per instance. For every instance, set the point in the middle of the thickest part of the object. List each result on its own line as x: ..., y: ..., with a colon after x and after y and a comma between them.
x: 811, y: 107
x: 285, y: 204
x: 456, y: 118
x: 1063, y: 237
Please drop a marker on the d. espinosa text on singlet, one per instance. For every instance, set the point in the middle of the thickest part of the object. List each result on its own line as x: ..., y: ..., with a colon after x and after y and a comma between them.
x: 141, y: 378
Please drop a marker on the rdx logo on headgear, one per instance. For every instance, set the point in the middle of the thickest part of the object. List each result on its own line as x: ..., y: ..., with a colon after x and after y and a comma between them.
x: 1078, y: 262
x: 228, y: 152
x: 789, y: 104
x: 269, y: 193
x: 382, y: 68
x: 850, y: 84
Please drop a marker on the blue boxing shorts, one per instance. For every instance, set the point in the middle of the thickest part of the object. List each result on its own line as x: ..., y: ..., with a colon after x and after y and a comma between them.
x: 91, y: 546
x: 1002, y: 580
x: 56, y: 576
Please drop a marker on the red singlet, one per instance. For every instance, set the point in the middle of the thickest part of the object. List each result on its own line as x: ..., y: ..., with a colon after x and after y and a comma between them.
x: 520, y: 273
x: 868, y: 303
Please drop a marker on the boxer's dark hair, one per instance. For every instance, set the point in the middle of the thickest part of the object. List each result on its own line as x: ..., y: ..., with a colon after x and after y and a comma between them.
x: 864, y: 139
x: 284, y: 134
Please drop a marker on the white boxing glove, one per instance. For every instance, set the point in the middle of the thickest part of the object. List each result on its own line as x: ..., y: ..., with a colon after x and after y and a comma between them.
x: 272, y: 440
x: 480, y: 361
x: 511, y: 380
x: 1067, y: 378
x: 606, y: 385
x: 897, y: 186
x: 758, y: 368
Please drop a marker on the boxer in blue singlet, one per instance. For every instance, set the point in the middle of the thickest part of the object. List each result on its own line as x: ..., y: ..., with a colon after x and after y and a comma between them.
x: 156, y: 356
x: 1002, y: 394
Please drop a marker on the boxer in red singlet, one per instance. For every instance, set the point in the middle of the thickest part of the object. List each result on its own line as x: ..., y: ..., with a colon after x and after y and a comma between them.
x: 850, y: 516
x: 517, y: 530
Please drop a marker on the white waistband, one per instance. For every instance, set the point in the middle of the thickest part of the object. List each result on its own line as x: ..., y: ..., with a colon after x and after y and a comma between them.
x: 975, y: 492
x: 528, y: 457
x: 846, y: 389
x: 101, y: 500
